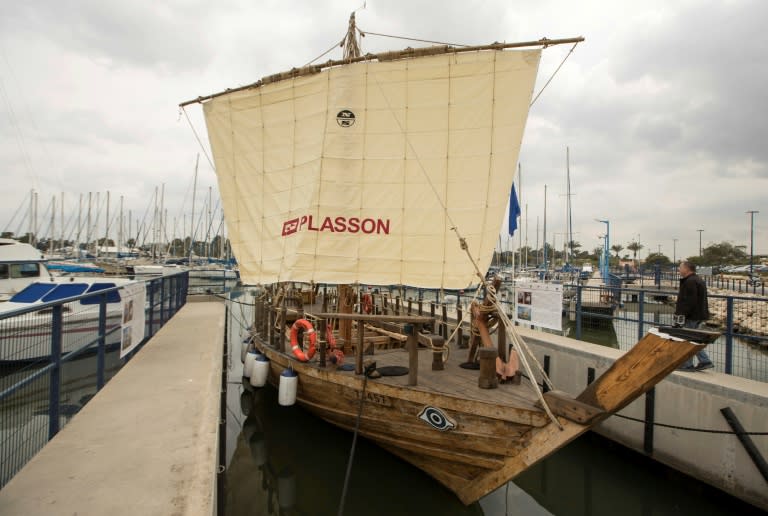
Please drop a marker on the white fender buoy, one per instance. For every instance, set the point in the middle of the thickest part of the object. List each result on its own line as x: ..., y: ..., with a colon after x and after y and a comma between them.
x: 249, y: 359
x: 286, y: 392
x: 259, y: 371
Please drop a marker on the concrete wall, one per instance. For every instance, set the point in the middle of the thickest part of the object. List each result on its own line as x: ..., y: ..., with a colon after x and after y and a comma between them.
x: 147, y: 443
x: 691, y: 400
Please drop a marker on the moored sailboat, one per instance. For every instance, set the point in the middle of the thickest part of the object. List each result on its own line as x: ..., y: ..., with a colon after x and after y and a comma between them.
x: 394, y: 169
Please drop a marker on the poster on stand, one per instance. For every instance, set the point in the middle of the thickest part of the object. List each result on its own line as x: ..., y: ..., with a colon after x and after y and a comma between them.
x: 539, y: 304
x: 133, y: 300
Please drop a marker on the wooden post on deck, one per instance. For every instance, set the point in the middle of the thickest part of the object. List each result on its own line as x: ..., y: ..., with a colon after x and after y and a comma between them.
x: 460, y: 332
x: 270, y: 325
x: 444, y: 324
x: 501, y: 339
x: 281, y: 328
x: 437, y: 354
x: 345, y: 300
x: 410, y: 305
x: 322, y: 329
x: 488, y: 378
x: 325, y: 299
x: 263, y: 319
x: 412, y: 344
x: 359, y: 348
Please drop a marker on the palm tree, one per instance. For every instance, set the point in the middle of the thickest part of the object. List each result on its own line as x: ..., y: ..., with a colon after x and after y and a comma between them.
x: 634, y: 247
x: 617, y: 249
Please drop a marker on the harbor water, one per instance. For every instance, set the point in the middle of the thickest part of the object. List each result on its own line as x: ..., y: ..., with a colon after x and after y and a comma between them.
x: 283, y: 460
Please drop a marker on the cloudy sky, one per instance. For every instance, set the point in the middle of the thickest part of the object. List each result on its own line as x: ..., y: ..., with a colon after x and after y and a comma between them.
x: 664, y: 107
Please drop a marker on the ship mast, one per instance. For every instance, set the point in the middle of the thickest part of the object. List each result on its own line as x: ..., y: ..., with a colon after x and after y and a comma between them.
x: 349, y: 43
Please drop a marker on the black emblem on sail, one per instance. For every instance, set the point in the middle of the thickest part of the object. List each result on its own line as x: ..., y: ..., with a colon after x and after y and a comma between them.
x: 345, y: 118
x: 436, y: 418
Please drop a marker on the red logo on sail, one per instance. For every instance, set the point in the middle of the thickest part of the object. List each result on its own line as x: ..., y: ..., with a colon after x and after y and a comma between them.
x: 368, y: 226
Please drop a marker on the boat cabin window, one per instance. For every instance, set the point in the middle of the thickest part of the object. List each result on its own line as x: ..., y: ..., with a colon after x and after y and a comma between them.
x: 24, y: 270
x: 3, y: 271
x: 32, y: 292
x: 64, y: 291
x: 47, y: 292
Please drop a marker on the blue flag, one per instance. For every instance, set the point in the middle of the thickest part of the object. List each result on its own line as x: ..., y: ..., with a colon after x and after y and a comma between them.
x: 514, y: 211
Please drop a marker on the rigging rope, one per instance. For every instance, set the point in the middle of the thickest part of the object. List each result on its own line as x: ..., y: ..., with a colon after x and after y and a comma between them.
x: 199, y: 141
x: 340, y: 43
x: 691, y: 429
x: 366, y: 33
x: 553, y: 75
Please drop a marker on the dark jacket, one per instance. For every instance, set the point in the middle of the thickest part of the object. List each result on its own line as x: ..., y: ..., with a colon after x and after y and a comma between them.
x: 692, y: 299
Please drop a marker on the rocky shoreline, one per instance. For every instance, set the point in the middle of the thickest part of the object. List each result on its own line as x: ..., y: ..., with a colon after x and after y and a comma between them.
x: 749, y: 317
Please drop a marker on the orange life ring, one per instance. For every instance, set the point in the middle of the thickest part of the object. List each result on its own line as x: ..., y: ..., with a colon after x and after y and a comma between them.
x: 295, y: 347
x: 367, y: 303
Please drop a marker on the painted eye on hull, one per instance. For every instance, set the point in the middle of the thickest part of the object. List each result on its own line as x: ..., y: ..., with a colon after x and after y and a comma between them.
x: 436, y: 418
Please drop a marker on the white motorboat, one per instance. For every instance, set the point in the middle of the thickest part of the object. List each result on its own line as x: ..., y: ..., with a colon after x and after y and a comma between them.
x: 27, y: 337
x: 20, y: 265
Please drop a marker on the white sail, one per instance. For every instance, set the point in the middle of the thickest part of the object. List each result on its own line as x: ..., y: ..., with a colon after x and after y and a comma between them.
x: 358, y: 174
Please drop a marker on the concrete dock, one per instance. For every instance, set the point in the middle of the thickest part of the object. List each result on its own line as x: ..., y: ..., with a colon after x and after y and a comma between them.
x: 698, y: 440
x: 147, y: 443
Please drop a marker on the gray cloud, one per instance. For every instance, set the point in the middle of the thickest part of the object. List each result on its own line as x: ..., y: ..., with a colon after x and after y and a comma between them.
x: 662, y: 107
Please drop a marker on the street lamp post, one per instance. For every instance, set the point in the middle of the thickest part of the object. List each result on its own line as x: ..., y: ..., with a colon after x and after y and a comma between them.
x: 751, y: 240
x: 674, y: 250
x: 606, y: 250
x: 700, y: 232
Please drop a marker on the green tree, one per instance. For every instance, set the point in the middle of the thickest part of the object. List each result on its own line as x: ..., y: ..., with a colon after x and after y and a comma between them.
x: 723, y: 253
x: 657, y: 259
x: 634, y: 247
x: 617, y: 248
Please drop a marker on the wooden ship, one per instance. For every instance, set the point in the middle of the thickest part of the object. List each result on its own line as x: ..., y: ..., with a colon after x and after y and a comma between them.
x: 395, y: 169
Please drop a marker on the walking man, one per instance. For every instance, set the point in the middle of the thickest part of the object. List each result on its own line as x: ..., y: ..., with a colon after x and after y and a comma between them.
x: 693, y: 308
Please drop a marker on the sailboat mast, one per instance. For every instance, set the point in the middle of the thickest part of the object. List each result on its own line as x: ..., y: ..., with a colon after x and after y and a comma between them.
x: 526, y: 235
x: 53, y: 225
x: 162, y: 234
x: 520, y: 232
x: 106, y: 231
x: 208, y: 233
x: 192, y: 220
x: 61, y: 241
x: 154, y: 227
x: 88, y: 223
x: 570, y: 216
x: 120, y: 230
x: 544, y: 236
x: 79, y: 226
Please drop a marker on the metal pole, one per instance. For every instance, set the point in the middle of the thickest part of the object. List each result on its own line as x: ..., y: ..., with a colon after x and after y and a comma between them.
x: 751, y: 240
x: 700, y: 232
x: 674, y: 250
x: 101, y: 349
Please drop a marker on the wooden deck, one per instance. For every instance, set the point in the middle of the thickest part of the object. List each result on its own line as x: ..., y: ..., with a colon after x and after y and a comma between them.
x: 453, y: 380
